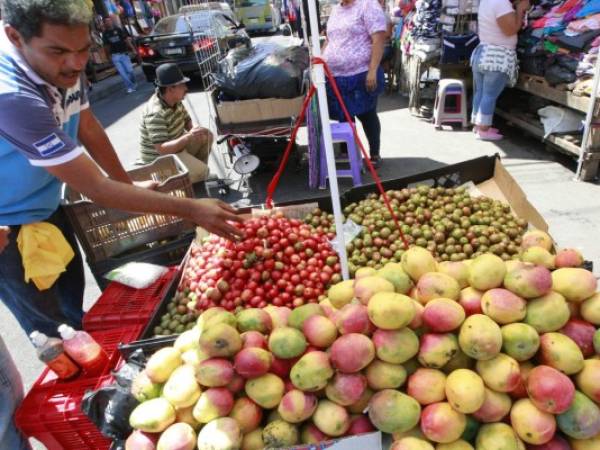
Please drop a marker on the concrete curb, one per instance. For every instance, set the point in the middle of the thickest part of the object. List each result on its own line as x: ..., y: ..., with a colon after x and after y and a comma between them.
x: 112, y: 85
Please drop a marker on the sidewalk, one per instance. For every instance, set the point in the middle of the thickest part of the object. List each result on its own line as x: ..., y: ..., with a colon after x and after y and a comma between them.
x: 112, y: 85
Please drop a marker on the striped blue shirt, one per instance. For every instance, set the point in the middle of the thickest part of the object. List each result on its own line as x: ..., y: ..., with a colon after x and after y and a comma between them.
x: 38, y: 128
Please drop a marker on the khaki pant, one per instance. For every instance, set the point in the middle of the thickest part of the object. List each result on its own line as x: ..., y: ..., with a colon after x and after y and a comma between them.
x: 195, y: 157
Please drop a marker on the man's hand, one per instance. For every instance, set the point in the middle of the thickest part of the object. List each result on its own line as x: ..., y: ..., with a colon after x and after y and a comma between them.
x: 371, y: 81
x: 199, y: 131
x: 4, y: 232
x: 147, y: 184
x: 215, y: 217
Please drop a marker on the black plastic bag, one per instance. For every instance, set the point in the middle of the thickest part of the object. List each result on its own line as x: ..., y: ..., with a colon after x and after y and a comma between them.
x: 556, y: 74
x: 268, y: 72
x: 109, y: 407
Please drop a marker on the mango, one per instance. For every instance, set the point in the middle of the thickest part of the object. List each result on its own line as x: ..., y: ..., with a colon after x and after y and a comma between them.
x: 280, y: 434
x: 588, y: 380
x: 441, y: 423
x: 590, y: 309
x: 320, y: 331
x: 300, y: 314
x: 346, y: 389
x: 354, y: 318
x: 411, y: 443
x: 360, y: 424
x: 363, y: 272
x: 427, y: 386
x: 331, y: 419
x: 528, y: 281
x: 596, y: 342
x: 310, y: 434
x: 391, y: 411
x: 496, y: 436
x: 220, y: 434
x: 536, y: 238
x: 561, y: 352
x: 362, y: 403
x: 247, y: 414
x: 417, y: 261
x: 188, y: 340
x: 592, y: 443
x: 520, y: 341
x: 153, y: 416
x: 254, y: 319
x: 470, y: 300
x: 531, y: 424
x: 397, y: 346
x: 456, y: 445
x: 212, y: 404
x: 539, y: 256
x: 503, y: 307
x: 143, y: 388
x: 480, y: 337
x: 266, y: 390
x: 384, y: 375
x: 341, y: 294
x: 312, y: 372
x: 287, y: 342
x: 215, y: 372
x: 550, y: 390
x: 352, y: 352
x: 575, y: 284
x: 487, y: 271
x: 253, y: 362
x: 279, y: 315
x: 161, y: 364
x: 185, y: 415
x: 547, y: 313
x: 367, y: 287
x: 390, y: 311
x: 253, y: 440
x: 181, y: 389
x: 501, y: 373
x: 459, y: 270
x: 465, y: 391
x: 435, y: 285
x: 394, y: 274
x: 568, y: 257
x: 496, y: 406
x: 443, y: 314
x: 581, y: 420
x: 220, y: 340
x: 178, y: 436
x: 437, y: 349
x: 297, y: 406
x: 213, y: 316
x: 194, y: 357
x: 138, y: 440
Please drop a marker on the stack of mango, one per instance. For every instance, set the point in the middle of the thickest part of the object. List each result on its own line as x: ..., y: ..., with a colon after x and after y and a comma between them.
x: 482, y: 354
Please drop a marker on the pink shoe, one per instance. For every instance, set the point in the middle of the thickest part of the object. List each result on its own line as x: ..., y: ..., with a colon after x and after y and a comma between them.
x: 488, y: 135
x: 492, y: 129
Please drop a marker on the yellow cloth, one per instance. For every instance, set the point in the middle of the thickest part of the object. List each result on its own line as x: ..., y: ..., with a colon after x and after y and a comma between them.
x: 45, y: 253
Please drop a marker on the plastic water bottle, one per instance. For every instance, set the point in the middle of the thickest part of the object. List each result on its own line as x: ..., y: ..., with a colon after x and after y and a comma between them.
x: 51, y: 352
x: 84, y: 350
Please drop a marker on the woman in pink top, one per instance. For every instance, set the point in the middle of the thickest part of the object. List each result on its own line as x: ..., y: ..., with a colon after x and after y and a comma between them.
x: 356, y: 32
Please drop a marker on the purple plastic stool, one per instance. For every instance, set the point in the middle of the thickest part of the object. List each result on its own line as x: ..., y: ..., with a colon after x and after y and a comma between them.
x: 341, y: 132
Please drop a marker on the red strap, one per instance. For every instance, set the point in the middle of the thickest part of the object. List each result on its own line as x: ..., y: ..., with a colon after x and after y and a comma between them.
x: 275, y: 181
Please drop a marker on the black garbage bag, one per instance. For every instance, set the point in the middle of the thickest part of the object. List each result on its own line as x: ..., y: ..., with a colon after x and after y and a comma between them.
x: 557, y: 74
x: 109, y: 407
x: 268, y: 72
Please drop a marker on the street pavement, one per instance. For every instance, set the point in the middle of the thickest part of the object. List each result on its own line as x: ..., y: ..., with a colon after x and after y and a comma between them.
x: 409, y: 145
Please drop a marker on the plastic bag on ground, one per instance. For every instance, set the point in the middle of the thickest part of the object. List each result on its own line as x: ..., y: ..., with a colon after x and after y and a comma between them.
x: 559, y: 120
x: 136, y: 275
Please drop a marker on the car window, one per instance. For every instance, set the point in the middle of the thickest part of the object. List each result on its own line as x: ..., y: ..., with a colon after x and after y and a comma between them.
x: 200, y: 21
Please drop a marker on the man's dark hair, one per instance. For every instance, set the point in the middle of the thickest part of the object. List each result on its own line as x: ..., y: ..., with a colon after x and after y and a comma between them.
x: 28, y: 16
x: 162, y: 90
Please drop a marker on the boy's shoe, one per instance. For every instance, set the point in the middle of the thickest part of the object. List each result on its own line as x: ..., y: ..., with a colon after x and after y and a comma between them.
x: 376, y: 161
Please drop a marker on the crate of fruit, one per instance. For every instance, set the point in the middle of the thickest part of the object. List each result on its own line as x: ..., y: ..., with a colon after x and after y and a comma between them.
x: 106, y: 232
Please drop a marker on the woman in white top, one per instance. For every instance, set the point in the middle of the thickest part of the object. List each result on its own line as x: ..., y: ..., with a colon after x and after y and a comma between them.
x: 494, y: 61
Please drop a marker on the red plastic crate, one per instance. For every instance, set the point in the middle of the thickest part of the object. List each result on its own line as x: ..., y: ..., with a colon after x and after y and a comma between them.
x: 51, y: 410
x: 120, y: 306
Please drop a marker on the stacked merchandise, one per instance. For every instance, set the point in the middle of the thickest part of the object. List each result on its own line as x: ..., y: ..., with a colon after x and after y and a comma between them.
x: 561, y: 42
x: 459, y: 30
x: 422, y: 33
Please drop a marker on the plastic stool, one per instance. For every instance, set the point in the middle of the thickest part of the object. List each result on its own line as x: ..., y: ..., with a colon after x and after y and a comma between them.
x: 450, y: 88
x: 341, y: 132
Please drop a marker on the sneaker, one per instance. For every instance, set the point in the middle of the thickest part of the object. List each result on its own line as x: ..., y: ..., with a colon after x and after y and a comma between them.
x: 492, y: 129
x: 129, y: 91
x: 376, y: 161
x: 488, y: 135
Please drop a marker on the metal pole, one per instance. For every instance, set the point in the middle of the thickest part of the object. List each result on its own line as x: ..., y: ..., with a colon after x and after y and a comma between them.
x: 587, y: 130
x: 319, y: 80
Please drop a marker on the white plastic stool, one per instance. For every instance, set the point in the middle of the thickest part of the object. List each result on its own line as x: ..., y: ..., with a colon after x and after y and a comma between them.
x: 442, y: 113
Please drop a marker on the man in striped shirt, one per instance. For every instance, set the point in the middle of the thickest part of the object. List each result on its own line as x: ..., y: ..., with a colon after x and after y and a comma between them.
x: 167, y: 128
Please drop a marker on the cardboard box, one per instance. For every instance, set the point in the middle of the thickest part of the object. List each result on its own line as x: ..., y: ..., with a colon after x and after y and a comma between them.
x: 257, y: 110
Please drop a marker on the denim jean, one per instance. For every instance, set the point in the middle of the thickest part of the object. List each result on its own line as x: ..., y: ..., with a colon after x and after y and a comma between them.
x: 372, y: 126
x: 43, y: 310
x: 123, y: 65
x: 487, y: 87
x: 11, y: 394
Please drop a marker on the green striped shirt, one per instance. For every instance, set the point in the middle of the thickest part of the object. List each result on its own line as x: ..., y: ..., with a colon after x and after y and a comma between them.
x: 160, y: 123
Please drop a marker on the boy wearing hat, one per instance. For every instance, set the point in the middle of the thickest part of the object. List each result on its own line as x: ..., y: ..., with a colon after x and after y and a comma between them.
x: 166, y: 126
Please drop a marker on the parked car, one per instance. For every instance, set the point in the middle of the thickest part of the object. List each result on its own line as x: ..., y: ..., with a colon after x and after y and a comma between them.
x: 195, y: 41
x: 213, y: 6
x: 259, y: 15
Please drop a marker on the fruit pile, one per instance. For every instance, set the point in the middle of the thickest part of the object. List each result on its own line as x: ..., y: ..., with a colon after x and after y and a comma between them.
x: 448, y: 222
x: 280, y: 261
x: 483, y: 354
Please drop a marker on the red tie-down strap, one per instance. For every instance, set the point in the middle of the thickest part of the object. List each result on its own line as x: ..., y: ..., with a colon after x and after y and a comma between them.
x: 275, y: 180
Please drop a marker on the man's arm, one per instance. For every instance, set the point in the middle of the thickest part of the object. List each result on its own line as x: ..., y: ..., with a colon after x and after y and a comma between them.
x: 84, y: 176
x: 93, y: 137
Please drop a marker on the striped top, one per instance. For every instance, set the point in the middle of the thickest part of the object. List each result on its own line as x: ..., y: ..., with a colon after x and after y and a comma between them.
x: 160, y: 123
